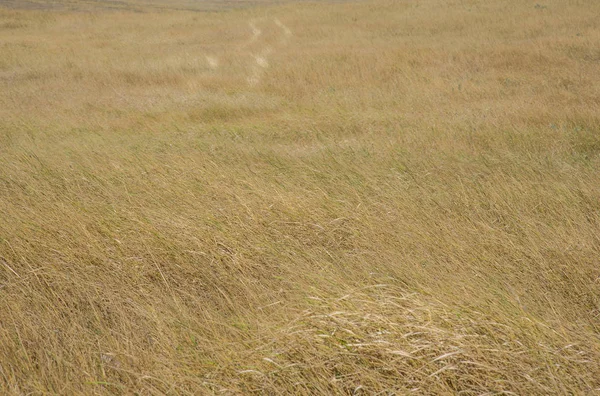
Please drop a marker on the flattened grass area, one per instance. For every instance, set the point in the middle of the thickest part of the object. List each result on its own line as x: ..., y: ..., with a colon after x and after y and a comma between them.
x: 388, y: 196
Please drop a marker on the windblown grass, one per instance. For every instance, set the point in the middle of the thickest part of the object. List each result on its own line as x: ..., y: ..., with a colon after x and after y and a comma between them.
x: 404, y: 198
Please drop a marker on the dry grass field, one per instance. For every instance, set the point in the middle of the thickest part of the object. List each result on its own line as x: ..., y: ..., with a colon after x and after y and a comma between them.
x: 375, y: 197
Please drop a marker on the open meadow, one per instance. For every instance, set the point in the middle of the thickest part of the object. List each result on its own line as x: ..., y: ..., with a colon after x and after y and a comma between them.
x: 370, y: 197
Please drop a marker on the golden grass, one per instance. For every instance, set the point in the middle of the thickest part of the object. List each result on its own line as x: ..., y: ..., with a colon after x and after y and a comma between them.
x: 405, y: 200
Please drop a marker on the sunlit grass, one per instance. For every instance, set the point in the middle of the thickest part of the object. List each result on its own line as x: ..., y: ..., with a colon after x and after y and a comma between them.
x: 364, y: 197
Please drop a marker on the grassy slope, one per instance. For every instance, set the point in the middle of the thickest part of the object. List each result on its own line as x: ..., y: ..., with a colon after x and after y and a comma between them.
x: 407, y: 198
